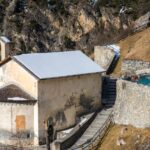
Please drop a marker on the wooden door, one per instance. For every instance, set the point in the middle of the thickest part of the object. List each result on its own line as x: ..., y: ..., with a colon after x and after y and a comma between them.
x: 20, y: 122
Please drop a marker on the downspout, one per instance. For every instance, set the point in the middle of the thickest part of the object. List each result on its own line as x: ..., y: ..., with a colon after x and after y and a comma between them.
x: 11, y: 120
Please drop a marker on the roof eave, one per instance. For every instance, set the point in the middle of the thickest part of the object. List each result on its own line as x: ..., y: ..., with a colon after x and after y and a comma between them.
x: 71, y: 75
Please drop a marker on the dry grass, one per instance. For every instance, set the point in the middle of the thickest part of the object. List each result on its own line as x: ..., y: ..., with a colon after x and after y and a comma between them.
x: 133, y: 137
x: 136, y: 47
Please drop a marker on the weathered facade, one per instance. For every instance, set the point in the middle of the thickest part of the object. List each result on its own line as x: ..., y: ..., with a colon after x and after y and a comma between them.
x: 77, y: 95
x: 61, y: 96
x: 16, y: 115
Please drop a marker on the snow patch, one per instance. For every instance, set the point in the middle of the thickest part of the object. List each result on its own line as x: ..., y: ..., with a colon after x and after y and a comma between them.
x: 67, y: 131
x: 115, y: 48
x: 83, y: 121
x: 5, y: 39
x: 16, y: 98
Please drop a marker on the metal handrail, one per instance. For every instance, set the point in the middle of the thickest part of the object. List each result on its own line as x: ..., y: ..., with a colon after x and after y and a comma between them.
x: 98, y: 136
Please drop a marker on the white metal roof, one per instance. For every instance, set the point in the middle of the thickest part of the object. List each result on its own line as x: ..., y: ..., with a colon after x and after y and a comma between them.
x: 5, y: 39
x: 58, y: 64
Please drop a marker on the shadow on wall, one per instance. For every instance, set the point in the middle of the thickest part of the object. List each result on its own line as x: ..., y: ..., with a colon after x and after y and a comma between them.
x: 86, y: 102
x: 113, y: 65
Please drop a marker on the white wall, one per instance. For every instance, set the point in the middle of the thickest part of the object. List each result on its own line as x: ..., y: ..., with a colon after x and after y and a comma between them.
x: 8, y: 113
x: 13, y: 72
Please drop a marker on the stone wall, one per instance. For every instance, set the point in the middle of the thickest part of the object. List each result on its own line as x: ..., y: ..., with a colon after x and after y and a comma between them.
x: 132, y: 105
x: 131, y: 66
x: 143, y: 71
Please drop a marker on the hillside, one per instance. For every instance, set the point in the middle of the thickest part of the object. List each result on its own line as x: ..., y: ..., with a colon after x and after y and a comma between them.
x: 39, y: 26
x: 136, y: 47
x: 134, y: 139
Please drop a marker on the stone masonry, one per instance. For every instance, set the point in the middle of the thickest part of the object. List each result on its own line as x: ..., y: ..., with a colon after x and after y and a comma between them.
x: 132, y: 104
x: 131, y: 66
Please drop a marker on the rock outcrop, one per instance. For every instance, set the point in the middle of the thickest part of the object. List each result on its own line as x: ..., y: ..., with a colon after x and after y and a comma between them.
x: 41, y: 26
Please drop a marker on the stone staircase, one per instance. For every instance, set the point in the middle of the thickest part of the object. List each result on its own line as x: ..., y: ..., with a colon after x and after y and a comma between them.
x: 109, y: 91
x: 94, y: 127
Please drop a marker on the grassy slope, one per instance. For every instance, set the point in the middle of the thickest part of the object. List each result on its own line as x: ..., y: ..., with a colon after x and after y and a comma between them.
x: 132, y: 136
x: 136, y: 47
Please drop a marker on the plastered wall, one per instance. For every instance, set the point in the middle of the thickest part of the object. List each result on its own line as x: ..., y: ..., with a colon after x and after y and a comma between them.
x: 62, y: 99
x: 13, y: 72
x: 16, y: 118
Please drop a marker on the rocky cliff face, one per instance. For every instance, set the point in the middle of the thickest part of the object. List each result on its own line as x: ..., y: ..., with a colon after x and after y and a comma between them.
x: 41, y: 26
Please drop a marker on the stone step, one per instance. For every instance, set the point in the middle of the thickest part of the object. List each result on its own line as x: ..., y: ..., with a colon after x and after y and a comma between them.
x: 92, y: 130
x: 103, y: 115
x: 109, y: 94
x: 92, y: 133
x: 110, y: 85
x: 109, y: 105
x: 87, y: 137
x: 109, y: 101
x: 110, y: 80
x: 96, y: 125
x: 105, y: 112
x: 108, y: 90
x: 83, y: 140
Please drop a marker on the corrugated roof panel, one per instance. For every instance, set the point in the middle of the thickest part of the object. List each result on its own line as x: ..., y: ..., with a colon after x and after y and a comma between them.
x: 58, y: 64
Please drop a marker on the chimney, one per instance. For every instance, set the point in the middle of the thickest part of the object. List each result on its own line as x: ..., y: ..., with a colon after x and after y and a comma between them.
x: 5, y: 46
